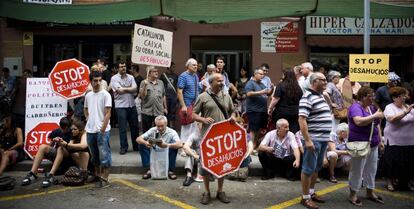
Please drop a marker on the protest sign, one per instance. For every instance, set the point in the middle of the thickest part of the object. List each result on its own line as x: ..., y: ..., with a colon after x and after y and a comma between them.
x: 369, y: 67
x: 151, y: 46
x: 44, y: 109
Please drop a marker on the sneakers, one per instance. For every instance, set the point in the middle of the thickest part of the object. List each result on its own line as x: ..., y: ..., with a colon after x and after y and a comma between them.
x: 102, y: 183
x: 308, y: 203
x: 49, y: 180
x: 222, y: 197
x: 29, y: 178
x: 199, y: 178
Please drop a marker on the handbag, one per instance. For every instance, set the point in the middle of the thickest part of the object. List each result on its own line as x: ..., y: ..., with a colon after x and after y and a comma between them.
x: 74, y: 177
x: 159, y: 163
x: 186, y: 117
x: 340, y: 114
x: 360, y: 148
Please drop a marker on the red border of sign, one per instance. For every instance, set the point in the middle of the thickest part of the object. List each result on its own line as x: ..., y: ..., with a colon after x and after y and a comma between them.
x: 201, y: 147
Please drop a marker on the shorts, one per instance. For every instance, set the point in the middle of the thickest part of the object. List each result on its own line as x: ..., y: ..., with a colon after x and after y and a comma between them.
x: 313, y: 161
x: 190, y: 131
x: 51, y: 155
x: 100, y: 149
x: 342, y: 161
x: 257, y: 120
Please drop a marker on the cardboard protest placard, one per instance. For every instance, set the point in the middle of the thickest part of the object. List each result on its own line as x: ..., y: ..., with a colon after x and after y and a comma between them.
x: 151, y: 46
x: 369, y: 67
x: 44, y: 109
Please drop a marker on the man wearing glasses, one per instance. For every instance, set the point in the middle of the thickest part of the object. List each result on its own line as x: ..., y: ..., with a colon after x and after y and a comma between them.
x: 124, y: 87
x: 153, y: 104
x: 315, y: 123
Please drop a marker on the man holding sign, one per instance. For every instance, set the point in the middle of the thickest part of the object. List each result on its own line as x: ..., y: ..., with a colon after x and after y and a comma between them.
x: 207, y: 111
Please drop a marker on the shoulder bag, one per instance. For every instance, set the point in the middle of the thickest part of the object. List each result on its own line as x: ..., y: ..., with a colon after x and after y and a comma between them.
x: 361, y: 148
x: 226, y: 115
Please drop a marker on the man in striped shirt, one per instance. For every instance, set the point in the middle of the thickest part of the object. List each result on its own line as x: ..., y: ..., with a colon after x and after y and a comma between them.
x: 315, y: 124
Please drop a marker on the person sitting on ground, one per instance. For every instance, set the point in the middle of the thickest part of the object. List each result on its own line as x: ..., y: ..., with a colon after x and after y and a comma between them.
x: 170, y: 140
x: 49, y: 151
x: 11, y: 143
x: 76, y: 148
x: 279, y: 152
x: 338, y: 156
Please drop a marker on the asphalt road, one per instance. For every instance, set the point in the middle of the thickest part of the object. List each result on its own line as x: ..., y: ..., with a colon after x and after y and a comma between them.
x: 130, y: 191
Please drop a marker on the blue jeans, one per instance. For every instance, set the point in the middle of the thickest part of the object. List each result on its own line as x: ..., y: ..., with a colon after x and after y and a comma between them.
x: 100, y: 149
x: 313, y: 161
x: 172, y: 157
x: 145, y: 157
x: 130, y: 115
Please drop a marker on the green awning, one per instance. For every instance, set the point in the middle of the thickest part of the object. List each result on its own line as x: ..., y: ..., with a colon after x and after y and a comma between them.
x: 355, y: 8
x: 203, y: 11
x: 218, y: 11
x: 92, y: 13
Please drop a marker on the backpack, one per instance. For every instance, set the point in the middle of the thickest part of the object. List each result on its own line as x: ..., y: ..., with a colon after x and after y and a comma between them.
x: 7, y: 183
x: 74, y: 177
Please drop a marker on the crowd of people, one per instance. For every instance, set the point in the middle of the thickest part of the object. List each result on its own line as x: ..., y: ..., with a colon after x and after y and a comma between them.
x: 297, y: 126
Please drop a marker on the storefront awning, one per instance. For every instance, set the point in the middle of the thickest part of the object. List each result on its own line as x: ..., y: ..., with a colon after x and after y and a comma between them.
x: 87, y: 14
x: 202, y: 11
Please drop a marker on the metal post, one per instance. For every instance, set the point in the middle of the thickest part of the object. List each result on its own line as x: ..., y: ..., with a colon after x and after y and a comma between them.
x: 367, y: 27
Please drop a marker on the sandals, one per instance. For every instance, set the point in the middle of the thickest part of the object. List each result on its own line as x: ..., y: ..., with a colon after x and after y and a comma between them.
x: 377, y: 199
x: 147, y: 175
x: 390, y: 187
x: 332, y: 179
x: 357, y: 202
x: 172, y: 176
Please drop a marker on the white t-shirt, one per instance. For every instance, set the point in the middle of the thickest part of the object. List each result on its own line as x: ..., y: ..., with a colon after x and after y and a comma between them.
x: 96, y: 103
x: 284, y: 147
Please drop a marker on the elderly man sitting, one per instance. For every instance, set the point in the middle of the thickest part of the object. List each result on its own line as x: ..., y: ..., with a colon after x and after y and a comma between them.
x: 163, y: 137
x: 338, y: 156
x: 279, y: 152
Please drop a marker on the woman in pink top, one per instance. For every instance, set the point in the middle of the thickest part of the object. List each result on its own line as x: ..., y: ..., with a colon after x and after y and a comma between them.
x: 399, y: 138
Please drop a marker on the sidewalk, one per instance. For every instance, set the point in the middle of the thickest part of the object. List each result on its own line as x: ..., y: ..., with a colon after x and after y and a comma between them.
x: 130, y: 163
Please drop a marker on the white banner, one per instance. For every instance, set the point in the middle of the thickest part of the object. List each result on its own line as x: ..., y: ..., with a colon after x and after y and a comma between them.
x: 268, y: 34
x: 48, y: 1
x: 151, y: 46
x: 42, y: 105
x: 318, y: 25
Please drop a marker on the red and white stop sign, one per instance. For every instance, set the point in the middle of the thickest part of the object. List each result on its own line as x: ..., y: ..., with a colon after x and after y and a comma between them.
x: 69, y: 78
x: 223, y: 148
x: 38, y: 136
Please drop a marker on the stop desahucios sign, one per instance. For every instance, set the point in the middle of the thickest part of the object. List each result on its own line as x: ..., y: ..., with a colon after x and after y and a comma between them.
x: 69, y: 78
x: 223, y: 148
x: 38, y: 136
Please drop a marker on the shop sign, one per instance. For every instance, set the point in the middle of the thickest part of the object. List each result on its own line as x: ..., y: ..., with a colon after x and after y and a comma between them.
x: 223, y: 148
x: 281, y: 37
x: 318, y: 25
x: 369, y: 67
x: 151, y: 46
x: 42, y: 106
x: 57, y: 2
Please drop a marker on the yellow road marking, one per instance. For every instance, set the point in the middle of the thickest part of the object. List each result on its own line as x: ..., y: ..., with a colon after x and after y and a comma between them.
x: 395, y: 194
x: 17, y: 197
x: 162, y: 197
x: 297, y: 200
